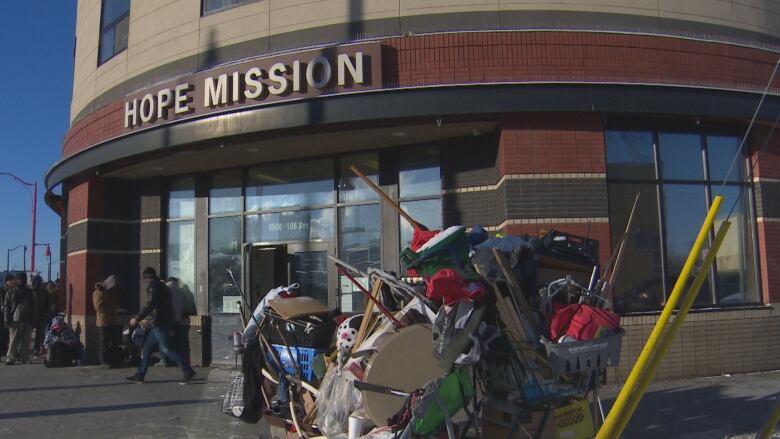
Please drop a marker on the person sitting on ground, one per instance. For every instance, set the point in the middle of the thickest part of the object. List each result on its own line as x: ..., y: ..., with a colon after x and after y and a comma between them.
x: 63, y: 347
x: 105, y: 299
x: 19, y: 312
x: 161, y: 305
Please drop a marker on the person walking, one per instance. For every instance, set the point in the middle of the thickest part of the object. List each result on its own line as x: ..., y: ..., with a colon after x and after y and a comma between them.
x: 19, y: 316
x: 183, y: 308
x: 160, y: 305
x: 8, y: 283
x: 105, y: 299
x: 42, y: 314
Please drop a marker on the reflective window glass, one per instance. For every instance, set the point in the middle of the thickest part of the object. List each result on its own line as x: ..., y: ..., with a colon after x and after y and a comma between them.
x: 630, y: 155
x: 721, y: 151
x: 420, y: 173
x: 224, y: 251
x: 180, y: 253
x: 291, y: 184
x: 428, y: 212
x: 114, y: 28
x: 735, y: 281
x: 210, y: 6
x: 310, y: 269
x: 681, y: 157
x: 300, y: 225
x: 351, y: 187
x: 359, y: 246
x: 639, y: 283
x: 181, y: 198
x: 685, y: 207
x: 225, y: 193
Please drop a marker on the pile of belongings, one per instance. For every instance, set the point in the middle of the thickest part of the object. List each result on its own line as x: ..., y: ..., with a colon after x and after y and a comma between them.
x: 477, y: 336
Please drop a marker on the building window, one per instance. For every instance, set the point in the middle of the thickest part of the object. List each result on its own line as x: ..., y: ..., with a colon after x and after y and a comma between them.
x: 212, y: 6
x: 180, y: 248
x: 419, y: 188
x: 678, y: 174
x: 224, y: 251
x: 114, y: 28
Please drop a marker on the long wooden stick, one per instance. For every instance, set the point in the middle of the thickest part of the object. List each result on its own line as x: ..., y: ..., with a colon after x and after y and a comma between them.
x: 523, y: 304
x: 618, y: 258
x: 394, y: 204
x: 367, y: 314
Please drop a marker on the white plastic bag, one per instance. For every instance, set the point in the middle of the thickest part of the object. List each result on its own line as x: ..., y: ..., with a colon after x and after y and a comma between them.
x: 338, y: 398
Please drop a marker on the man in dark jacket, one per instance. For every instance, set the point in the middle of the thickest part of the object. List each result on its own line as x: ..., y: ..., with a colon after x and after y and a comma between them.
x: 42, y: 313
x: 160, y: 306
x: 19, y: 316
x: 8, y: 283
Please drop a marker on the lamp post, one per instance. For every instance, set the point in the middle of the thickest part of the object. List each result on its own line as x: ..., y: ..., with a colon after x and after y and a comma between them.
x: 8, y: 257
x: 34, y: 194
x: 47, y: 253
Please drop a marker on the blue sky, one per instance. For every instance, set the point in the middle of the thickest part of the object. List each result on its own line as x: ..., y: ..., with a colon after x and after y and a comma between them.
x: 35, y: 86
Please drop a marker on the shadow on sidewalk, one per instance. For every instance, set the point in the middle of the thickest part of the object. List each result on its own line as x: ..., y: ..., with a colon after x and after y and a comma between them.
x: 103, y: 408
x: 694, y: 411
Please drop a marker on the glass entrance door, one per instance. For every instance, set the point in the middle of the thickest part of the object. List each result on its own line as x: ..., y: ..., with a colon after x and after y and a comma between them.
x: 309, y: 266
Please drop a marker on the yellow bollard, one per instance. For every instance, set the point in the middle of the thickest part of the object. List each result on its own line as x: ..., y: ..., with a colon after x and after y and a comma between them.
x: 770, y: 425
x: 619, y: 414
x: 670, y: 333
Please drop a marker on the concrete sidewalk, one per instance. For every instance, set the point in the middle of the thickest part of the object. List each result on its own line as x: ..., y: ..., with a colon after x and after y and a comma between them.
x: 716, y: 407
x: 92, y: 403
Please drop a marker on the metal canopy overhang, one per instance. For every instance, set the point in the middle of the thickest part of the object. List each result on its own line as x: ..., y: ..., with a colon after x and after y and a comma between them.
x: 477, y: 100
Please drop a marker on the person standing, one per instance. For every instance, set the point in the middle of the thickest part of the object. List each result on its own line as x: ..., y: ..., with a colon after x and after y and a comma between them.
x: 42, y: 314
x: 8, y: 283
x: 183, y: 308
x: 19, y: 315
x: 160, y: 305
x: 105, y: 299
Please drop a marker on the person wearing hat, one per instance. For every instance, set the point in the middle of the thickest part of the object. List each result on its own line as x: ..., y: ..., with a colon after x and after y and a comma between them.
x: 19, y: 313
x: 160, y: 306
x: 105, y: 299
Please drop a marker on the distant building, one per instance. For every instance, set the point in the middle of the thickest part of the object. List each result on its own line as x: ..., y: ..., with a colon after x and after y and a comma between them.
x: 207, y: 134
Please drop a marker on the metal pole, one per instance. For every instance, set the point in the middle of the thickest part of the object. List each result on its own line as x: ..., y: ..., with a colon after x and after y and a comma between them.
x: 34, y: 221
x: 617, y: 417
x: 8, y: 260
x: 24, y: 259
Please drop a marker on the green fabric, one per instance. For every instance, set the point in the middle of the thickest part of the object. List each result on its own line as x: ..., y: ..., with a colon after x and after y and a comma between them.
x: 455, y: 389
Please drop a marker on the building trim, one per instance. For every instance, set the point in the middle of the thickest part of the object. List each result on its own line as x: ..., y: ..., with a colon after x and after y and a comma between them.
x: 115, y: 252
x: 763, y: 219
x: 504, y: 178
x: 513, y: 222
x: 114, y: 221
x: 418, y: 102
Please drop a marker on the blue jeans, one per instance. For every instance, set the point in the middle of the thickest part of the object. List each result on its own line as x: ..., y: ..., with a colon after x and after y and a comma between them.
x: 159, y: 337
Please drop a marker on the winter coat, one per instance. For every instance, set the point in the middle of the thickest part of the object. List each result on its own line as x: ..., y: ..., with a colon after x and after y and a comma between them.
x: 42, y: 304
x: 19, y: 305
x: 160, y: 305
x: 105, y: 302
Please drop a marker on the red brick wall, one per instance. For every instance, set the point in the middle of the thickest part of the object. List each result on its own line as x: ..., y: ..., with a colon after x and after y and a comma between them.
x: 541, y: 144
x: 769, y: 255
x: 491, y: 57
x: 767, y: 160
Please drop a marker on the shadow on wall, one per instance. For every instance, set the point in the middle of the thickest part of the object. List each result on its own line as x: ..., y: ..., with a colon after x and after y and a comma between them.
x: 697, y: 412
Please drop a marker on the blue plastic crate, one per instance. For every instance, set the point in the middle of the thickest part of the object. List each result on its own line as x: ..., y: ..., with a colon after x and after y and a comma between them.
x: 303, y: 356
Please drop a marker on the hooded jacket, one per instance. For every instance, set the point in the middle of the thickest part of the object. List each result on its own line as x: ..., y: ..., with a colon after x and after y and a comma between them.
x: 160, y: 305
x: 42, y: 304
x: 105, y: 299
x: 19, y: 305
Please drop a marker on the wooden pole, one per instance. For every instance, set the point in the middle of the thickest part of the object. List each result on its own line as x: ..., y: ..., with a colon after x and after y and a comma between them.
x: 394, y: 204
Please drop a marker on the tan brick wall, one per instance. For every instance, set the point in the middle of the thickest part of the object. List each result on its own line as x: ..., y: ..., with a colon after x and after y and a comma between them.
x: 709, y: 343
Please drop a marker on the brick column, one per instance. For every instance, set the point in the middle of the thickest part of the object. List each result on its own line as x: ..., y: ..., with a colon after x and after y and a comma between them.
x: 766, y: 178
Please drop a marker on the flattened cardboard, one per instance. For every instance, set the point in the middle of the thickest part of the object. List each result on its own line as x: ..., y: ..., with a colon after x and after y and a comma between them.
x: 296, y: 307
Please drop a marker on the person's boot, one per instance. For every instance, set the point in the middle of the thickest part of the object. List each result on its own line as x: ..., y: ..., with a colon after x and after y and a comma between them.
x: 187, y: 377
x: 138, y: 379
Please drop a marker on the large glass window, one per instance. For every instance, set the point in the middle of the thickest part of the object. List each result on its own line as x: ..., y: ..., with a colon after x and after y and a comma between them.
x: 225, y: 193
x: 224, y: 251
x: 114, y: 28
x: 351, y: 187
x: 419, y: 187
x: 359, y: 228
x: 180, y: 252
x: 211, y: 6
x: 690, y: 170
x: 289, y: 185
x: 181, y: 198
x: 297, y: 225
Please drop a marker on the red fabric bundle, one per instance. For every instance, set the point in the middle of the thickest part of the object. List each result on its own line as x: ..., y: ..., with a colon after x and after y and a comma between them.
x: 448, y: 286
x: 582, y: 322
x: 420, y: 237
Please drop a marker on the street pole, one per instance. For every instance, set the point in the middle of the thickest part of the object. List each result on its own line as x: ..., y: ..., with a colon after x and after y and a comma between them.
x: 24, y: 259
x: 34, y: 221
x: 8, y: 260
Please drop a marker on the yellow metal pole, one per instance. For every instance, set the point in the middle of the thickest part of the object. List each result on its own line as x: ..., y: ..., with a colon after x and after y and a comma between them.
x: 619, y: 410
x: 770, y: 425
x: 671, y: 332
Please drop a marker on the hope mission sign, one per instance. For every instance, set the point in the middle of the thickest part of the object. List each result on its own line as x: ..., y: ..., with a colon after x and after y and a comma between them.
x: 294, y: 76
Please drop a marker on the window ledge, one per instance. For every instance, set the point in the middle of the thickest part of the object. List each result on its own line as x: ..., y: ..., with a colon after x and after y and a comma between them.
x: 745, y: 307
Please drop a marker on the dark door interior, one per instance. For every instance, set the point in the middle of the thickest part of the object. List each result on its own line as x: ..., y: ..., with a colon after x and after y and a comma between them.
x: 267, y: 270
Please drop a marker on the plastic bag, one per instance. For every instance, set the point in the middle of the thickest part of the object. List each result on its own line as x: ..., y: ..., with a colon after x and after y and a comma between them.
x: 338, y: 398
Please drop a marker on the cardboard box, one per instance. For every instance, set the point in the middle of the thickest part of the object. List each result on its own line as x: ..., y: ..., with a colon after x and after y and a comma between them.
x: 499, y: 418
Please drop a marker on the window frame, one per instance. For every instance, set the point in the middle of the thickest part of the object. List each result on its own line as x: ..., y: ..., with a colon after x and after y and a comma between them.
x: 113, y: 24
x: 659, y: 182
x: 205, y: 13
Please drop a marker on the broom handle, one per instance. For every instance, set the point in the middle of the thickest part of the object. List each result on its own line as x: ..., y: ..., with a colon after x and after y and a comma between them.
x: 385, y: 197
